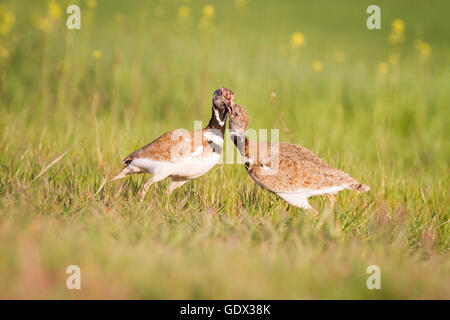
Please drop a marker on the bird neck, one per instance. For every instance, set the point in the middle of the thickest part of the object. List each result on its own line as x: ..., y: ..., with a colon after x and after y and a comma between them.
x: 241, y: 142
x: 217, y: 121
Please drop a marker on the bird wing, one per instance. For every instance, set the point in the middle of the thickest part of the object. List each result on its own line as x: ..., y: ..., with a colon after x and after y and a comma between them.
x: 172, y: 146
x: 289, y: 167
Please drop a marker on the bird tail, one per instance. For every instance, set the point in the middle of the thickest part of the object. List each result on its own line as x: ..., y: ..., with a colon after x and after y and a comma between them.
x: 359, y: 187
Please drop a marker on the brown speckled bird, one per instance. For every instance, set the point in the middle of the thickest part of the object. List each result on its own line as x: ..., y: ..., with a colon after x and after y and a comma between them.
x: 181, y: 154
x: 290, y: 171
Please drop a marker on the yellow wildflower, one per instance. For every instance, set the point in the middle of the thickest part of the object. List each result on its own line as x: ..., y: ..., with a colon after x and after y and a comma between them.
x: 317, y: 66
x: 91, y: 3
x: 423, y: 47
x: 7, y: 20
x: 398, y: 25
x: 208, y: 11
x: 54, y: 10
x: 383, y: 68
x: 397, y: 29
x: 395, y: 38
x: 184, y: 12
x: 297, y: 40
x: 97, y: 54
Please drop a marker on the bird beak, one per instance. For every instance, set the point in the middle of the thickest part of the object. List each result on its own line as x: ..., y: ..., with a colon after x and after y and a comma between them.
x: 229, y: 108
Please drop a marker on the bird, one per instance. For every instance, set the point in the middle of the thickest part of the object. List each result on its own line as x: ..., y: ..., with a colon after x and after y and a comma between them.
x: 182, y: 155
x: 290, y: 171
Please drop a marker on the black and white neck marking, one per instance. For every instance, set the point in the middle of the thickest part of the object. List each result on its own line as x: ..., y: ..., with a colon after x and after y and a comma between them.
x: 216, y: 129
x: 218, y: 120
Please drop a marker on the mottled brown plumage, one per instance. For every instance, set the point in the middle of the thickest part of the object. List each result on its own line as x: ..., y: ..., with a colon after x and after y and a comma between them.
x: 290, y: 171
x: 175, y: 146
x: 181, y: 154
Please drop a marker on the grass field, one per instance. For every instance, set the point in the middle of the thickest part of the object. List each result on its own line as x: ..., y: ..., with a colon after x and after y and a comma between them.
x: 373, y: 103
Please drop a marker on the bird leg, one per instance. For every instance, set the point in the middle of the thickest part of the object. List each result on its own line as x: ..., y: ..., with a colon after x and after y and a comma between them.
x: 154, y: 178
x: 175, y: 184
x: 315, y: 212
x: 332, y: 199
x: 146, y: 188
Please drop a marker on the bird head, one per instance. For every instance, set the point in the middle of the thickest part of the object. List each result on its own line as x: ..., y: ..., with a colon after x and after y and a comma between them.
x: 222, y: 98
x: 238, y: 122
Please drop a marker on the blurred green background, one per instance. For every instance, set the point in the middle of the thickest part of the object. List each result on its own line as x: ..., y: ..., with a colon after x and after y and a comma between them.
x: 373, y: 103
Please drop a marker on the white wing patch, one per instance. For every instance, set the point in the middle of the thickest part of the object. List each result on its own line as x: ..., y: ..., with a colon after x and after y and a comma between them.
x: 298, y: 200
x: 300, y: 197
x: 214, y: 138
